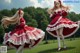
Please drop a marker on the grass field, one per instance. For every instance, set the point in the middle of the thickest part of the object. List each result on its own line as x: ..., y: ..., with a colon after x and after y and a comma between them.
x: 72, y: 47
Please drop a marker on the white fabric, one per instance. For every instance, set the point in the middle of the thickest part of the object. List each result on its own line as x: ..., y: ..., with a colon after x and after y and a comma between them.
x: 61, y: 26
x: 23, y: 35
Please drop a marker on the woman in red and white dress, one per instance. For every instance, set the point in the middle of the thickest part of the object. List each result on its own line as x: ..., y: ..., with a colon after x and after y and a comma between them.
x: 22, y: 36
x: 60, y: 26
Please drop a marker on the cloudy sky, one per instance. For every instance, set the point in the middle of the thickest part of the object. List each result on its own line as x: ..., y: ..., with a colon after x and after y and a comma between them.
x: 9, y: 4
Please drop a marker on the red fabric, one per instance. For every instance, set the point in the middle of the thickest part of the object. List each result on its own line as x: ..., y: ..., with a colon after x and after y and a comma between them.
x: 25, y: 46
x: 66, y: 30
x: 20, y: 29
x: 22, y: 22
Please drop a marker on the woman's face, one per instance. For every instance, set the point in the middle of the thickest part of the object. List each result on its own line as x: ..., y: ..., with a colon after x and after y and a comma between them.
x: 21, y: 14
x: 57, y: 4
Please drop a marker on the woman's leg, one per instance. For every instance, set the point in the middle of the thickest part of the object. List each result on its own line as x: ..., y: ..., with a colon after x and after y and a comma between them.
x: 31, y: 43
x: 20, y: 49
x: 61, y: 34
x: 58, y: 38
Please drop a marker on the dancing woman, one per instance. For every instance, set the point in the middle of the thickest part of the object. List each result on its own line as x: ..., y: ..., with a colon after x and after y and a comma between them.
x: 60, y: 26
x: 22, y: 36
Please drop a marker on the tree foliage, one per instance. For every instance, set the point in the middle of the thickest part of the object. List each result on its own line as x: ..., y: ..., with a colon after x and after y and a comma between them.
x: 35, y: 17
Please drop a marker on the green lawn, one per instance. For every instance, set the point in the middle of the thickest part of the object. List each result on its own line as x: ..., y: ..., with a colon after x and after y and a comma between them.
x: 72, y: 47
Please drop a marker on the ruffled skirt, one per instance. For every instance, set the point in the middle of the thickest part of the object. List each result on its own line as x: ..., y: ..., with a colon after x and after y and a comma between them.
x: 27, y: 35
x: 69, y: 27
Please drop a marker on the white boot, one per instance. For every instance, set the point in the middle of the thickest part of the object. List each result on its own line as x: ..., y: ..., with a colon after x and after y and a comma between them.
x: 59, y: 48
x: 59, y: 45
x: 58, y: 38
x: 64, y: 46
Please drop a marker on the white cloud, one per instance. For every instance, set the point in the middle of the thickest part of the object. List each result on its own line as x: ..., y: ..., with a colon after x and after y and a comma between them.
x: 42, y: 4
x: 34, y: 3
x: 71, y: 7
x: 47, y: 3
x: 8, y: 1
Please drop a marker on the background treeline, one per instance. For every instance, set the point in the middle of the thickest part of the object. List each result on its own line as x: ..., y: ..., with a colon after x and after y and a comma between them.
x: 35, y: 17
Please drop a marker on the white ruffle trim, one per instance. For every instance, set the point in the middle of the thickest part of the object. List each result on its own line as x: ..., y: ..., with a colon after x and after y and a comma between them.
x: 78, y: 22
x: 61, y: 26
x: 30, y: 37
x: 65, y: 35
x: 48, y: 29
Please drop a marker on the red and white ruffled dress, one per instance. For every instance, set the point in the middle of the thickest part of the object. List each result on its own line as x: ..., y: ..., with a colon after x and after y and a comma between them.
x: 23, y: 34
x: 59, y: 20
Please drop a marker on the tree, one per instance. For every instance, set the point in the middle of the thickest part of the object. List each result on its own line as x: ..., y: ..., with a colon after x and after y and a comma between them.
x: 30, y: 20
x: 6, y: 12
x: 1, y: 17
x: 1, y: 33
x: 44, y: 24
x: 27, y: 16
x: 13, y: 11
x: 32, y: 23
x: 72, y: 16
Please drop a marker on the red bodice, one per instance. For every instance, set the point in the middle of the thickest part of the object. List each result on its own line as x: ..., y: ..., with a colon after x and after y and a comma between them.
x: 22, y: 23
x: 59, y: 13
